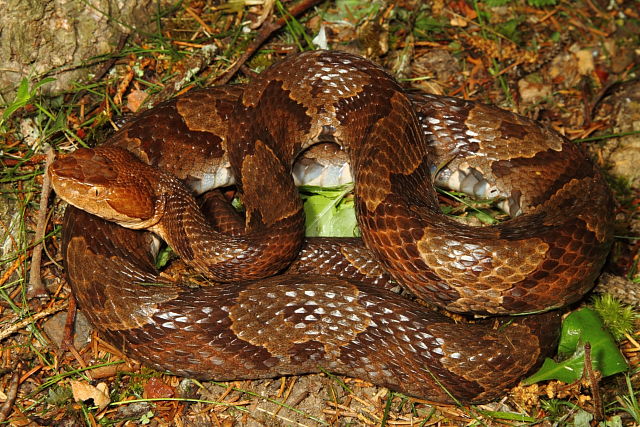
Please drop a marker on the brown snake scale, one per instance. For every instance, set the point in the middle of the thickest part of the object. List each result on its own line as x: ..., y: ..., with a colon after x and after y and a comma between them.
x: 257, y: 325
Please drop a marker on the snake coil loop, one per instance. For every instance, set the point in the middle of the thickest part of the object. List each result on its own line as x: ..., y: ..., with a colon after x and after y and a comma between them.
x: 547, y: 256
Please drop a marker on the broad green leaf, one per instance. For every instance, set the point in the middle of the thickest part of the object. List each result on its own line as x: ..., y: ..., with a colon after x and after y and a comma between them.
x: 22, y: 94
x: 329, y: 212
x: 578, y: 328
x: 163, y: 257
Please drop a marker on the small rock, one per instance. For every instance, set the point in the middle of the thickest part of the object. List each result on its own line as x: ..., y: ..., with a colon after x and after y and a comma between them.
x: 533, y: 92
x: 133, y: 410
x: 54, y: 328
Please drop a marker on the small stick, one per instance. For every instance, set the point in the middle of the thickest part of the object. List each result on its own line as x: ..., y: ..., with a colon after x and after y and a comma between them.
x: 67, y: 339
x: 267, y: 30
x: 11, y: 269
x: 12, y: 393
x: 36, y: 288
x: 592, y: 377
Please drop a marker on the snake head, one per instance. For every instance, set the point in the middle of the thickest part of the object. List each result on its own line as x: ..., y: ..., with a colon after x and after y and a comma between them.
x: 111, y: 183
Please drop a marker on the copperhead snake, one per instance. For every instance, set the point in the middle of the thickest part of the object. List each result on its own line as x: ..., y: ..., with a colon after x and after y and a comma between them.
x: 255, y: 324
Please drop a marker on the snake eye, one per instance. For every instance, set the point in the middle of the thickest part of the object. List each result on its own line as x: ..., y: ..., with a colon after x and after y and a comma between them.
x: 97, y: 192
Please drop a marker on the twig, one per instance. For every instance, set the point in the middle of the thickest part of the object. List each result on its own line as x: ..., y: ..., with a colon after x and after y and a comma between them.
x: 288, y: 393
x: 67, y: 339
x: 267, y: 30
x: 25, y: 322
x: 593, y: 378
x: 12, y: 393
x: 36, y: 288
x: 12, y: 269
x: 195, y: 16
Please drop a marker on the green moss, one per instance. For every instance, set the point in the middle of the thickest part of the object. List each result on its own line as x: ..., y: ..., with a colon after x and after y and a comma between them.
x: 617, y: 317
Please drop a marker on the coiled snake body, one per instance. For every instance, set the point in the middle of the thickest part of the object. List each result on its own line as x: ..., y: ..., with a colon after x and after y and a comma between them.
x: 255, y: 325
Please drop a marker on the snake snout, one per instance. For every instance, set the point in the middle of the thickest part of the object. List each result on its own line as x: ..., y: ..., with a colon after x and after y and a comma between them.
x: 65, y: 167
x: 84, y: 166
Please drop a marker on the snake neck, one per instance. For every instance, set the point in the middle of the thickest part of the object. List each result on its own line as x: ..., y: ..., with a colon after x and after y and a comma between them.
x: 259, y: 253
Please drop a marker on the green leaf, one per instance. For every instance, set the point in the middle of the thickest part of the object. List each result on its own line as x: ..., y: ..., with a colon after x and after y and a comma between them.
x: 163, y: 257
x: 484, y: 217
x: 473, y: 204
x: 329, y: 212
x: 23, y: 96
x: 427, y: 25
x: 512, y: 416
x: 568, y: 371
x: 146, y: 418
x: 578, y: 328
x: 21, y: 99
